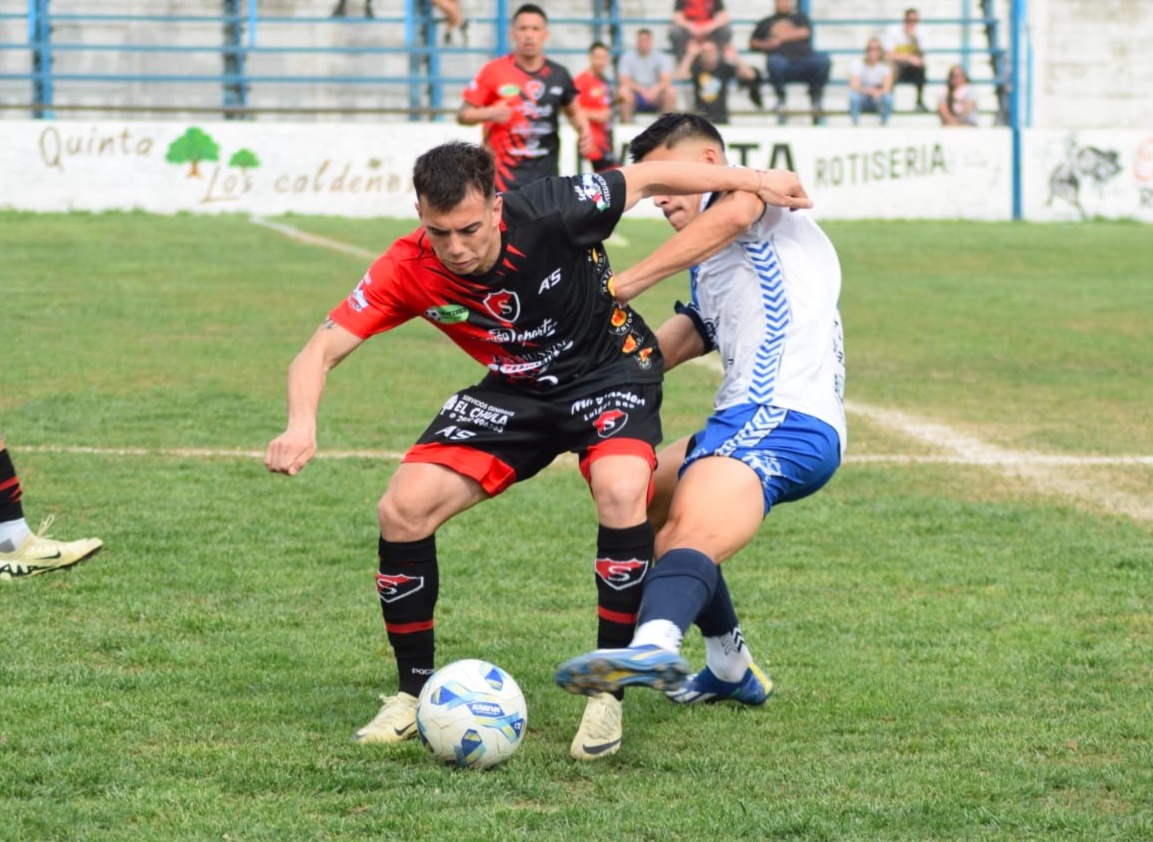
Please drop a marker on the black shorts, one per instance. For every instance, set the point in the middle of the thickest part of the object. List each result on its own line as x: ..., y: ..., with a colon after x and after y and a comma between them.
x: 501, y: 436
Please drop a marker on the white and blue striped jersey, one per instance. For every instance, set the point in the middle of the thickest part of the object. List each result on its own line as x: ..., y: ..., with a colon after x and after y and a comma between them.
x: 768, y: 302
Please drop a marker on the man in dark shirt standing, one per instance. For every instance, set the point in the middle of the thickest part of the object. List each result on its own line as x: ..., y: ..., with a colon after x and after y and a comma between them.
x: 521, y: 282
x: 519, y: 98
x: 787, y: 38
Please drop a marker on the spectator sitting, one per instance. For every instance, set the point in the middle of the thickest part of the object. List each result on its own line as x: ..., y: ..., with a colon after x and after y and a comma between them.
x: 787, y: 38
x: 341, y: 9
x: 711, y: 73
x: 905, y: 47
x: 871, y: 84
x: 957, y: 105
x: 697, y: 21
x: 454, y: 20
x: 646, y: 80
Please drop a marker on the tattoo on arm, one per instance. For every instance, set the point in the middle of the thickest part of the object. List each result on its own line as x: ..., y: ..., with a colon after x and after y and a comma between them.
x: 328, y: 323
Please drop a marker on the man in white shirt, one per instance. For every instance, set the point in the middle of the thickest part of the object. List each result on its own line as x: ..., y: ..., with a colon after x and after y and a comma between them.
x: 645, y: 80
x: 765, y: 287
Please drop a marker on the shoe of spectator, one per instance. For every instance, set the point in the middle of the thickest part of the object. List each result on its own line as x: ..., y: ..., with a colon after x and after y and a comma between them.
x: 754, y: 86
x: 921, y: 108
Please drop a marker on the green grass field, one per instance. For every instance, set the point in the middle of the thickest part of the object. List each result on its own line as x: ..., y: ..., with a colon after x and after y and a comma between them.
x: 960, y: 625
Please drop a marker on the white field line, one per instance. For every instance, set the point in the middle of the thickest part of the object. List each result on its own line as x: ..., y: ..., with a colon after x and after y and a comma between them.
x: 1010, y: 459
x: 1047, y: 473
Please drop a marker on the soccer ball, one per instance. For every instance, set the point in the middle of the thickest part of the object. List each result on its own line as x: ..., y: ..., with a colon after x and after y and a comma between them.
x: 471, y: 714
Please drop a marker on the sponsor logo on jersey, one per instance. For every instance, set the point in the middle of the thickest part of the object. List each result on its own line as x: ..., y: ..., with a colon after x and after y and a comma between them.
x: 506, y: 335
x: 620, y: 320
x: 535, y: 89
x: 447, y: 314
x: 392, y: 588
x: 593, y: 188
x: 644, y: 358
x: 610, y: 422
x: 509, y: 89
x: 620, y: 575
x: 551, y: 281
x: 503, y: 304
x: 357, y: 299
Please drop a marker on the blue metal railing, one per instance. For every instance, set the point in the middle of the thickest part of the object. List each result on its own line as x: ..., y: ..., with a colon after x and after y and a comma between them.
x: 236, y: 36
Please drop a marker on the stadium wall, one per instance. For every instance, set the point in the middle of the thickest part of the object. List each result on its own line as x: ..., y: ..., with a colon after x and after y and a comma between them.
x: 363, y: 170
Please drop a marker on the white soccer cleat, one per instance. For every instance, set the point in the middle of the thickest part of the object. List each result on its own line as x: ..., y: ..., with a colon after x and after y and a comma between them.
x: 599, y: 734
x: 395, y: 722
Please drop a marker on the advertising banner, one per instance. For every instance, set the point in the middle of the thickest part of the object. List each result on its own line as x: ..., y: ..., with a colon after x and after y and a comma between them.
x: 364, y: 170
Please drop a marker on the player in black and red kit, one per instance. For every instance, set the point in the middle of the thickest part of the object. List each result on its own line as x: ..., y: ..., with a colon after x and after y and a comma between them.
x: 519, y: 98
x: 521, y: 282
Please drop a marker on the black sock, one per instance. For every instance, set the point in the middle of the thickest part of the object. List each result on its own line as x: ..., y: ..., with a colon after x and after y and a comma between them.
x: 10, y: 493
x: 408, y: 583
x: 623, y: 558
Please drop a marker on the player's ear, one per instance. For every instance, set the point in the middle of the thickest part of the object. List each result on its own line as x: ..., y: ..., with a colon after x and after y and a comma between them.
x: 497, y: 204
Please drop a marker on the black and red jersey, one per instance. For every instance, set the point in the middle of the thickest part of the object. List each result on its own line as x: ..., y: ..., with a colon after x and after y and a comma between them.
x: 699, y: 10
x: 595, y: 94
x: 527, y: 147
x: 543, y: 318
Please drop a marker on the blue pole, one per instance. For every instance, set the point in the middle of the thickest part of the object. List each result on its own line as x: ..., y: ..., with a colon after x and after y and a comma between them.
x: 1017, y: 24
x: 502, y: 23
x: 39, y: 37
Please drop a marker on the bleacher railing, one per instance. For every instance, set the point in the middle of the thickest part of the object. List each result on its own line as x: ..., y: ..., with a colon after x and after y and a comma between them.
x: 426, y: 79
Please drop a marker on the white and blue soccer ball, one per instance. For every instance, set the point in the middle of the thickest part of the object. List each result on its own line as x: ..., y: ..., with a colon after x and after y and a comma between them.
x: 471, y: 714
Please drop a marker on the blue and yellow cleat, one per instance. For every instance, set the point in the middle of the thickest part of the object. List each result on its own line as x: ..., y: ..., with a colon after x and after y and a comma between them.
x: 704, y: 688
x: 610, y: 670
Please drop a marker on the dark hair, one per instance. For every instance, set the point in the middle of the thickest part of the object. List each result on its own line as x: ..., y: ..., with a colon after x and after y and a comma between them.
x: 645, y: 31
x: 443, y: 175
x: 598, y: 45
x: 670, y: 129
x: 529, y: 9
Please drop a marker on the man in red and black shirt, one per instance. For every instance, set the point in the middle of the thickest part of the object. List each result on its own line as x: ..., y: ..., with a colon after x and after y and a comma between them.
x: 519, y: 98
x: 521, y: 282
x: 596, y: 100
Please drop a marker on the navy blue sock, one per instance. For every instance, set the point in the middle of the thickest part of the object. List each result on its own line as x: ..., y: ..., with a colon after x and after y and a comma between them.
x: 719, y: 617
x: 682, y: 583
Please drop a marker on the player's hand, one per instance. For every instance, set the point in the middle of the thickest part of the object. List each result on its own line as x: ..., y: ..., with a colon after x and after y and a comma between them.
x: 782, y: 189
x: 585, y: 143
x: 289, y: 452
x: 500, y: 112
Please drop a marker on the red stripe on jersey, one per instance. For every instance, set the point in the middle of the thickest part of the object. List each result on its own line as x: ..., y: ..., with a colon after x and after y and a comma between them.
x: 616, y: 616
x: 493, y: 475
x: 408, y: 628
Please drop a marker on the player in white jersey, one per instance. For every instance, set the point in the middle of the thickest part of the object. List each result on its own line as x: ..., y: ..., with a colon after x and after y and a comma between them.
x: 765, y: 285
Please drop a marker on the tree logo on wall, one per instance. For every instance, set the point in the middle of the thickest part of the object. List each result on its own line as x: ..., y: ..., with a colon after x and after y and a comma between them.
x: 192, y: 147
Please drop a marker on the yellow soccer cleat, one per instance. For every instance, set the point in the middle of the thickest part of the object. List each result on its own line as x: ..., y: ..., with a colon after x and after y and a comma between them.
x: 395, y: 722
x: 41, y: 554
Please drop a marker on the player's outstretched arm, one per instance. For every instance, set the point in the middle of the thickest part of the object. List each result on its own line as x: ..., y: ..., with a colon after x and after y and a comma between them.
x: 679, y: 341
x: 706, y: 235
x: 781, y: 188
x: 289, y: 452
